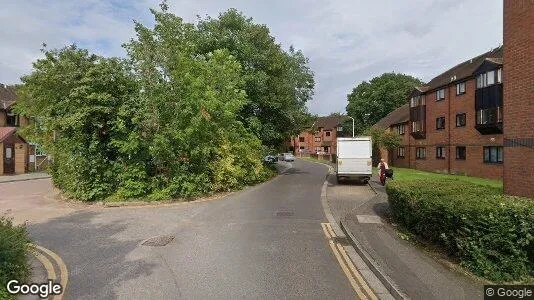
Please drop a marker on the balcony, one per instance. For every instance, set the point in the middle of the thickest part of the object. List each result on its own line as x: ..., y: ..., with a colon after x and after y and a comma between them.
x: 489, y: 120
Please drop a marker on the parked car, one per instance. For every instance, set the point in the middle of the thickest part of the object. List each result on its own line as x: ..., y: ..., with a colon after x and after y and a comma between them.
x: 288, y: 157
x: 270, y: 159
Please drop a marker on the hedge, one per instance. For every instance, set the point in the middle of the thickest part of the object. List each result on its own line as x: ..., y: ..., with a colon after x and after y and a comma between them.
x: 13, y: 259
x: 491, y: 234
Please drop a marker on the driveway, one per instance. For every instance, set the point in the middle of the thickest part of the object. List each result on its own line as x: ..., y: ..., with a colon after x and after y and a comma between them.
x: 263, y: 242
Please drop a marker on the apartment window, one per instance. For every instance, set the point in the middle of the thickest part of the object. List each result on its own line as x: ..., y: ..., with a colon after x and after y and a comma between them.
x: 440, y: 152
x: 417, y: 126
x: 317, y: 138
x: 460, y: 152
x: 327, y: 133
x: 440, y: 94
x: 301, y: 139
x: 400, y: 152
x: 489, y: 78
x: 493, y: 154
x: 401, y: 129
x: 489, y: 116
x: 417, y: 101
x: 301, y: 147
x: 440, y: 123
x: 318, y: 149
x: 420, y: 153
x: 460, y: 120
x: 460, y: 88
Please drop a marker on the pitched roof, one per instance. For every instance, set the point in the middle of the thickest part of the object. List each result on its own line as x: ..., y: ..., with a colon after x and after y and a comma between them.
x: 399, y: 115
x: 329, y: 122
x: 7, y: 96
x: 5, y: 132
x: 465, y: 69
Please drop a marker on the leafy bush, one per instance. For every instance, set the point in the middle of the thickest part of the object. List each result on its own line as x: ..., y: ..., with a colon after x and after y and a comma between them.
x: 490, y: 233
x: 13, y: 260
x: 183, y: 115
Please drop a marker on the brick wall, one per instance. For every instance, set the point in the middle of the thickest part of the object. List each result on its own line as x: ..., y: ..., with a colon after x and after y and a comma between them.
x: 518, y: 95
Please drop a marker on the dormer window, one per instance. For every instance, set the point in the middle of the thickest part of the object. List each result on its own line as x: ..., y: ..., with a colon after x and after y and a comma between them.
x: 12, y: 119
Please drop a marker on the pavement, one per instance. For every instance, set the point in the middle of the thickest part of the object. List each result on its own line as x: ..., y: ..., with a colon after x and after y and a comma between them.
x: 265, y: 242
x: 363, y: 211
x: 32, y: 201
x: 23, y: 177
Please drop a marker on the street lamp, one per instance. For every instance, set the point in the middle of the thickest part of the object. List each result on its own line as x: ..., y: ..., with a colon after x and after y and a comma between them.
x: 352, y: 125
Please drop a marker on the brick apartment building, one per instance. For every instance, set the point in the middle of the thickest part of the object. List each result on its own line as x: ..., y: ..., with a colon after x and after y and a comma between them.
x: 454, y: 124
x: 519, y: 97
x: 320, y: 138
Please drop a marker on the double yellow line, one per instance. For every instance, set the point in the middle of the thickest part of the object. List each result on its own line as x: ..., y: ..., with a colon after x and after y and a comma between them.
x: 355, y: 278
x: 47, y: 257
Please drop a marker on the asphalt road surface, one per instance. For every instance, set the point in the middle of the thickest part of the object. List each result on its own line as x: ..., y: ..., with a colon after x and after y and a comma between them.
x: 261, y: 243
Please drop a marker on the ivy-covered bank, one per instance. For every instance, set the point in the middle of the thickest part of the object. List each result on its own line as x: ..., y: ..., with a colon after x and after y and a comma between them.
x: 191, y: 110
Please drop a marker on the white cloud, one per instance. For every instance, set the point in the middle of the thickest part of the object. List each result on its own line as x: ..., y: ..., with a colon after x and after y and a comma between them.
x: 347, y: 41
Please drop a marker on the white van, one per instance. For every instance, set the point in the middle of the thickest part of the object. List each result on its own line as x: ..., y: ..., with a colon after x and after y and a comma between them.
x: 354, y: 158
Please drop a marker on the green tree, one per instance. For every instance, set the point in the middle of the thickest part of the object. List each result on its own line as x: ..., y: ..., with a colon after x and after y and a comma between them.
x: 371, y: 101
x: 278, y: 83
x: 164, y: 123
x: 83, y: 107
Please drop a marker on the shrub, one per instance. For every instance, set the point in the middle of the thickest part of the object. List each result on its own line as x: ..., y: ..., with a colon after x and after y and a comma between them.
x: 491, y: 234
x: 13, y: 260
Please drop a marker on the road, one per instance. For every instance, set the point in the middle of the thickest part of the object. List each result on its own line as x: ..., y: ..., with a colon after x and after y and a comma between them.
x: 263, y: 242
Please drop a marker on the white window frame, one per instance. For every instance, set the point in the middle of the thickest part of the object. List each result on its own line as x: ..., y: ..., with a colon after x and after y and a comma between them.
x: 459, y: 90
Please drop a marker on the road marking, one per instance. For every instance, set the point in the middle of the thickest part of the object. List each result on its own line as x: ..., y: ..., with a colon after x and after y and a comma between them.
x: 64, y: 273
x: 51, y: 273
x: 355, y: 278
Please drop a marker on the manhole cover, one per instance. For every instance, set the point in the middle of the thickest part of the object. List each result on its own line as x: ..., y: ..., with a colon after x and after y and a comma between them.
x: 284, y: 213
x: 158, y: 241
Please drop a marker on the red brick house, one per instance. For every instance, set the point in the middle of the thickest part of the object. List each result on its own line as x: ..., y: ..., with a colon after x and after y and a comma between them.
x: 321, y: 137
x: 14, y: 150
x: 454, y: 124
x: 519, y: 97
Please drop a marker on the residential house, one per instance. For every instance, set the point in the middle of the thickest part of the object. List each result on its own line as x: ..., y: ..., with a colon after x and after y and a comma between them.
x: 14, y: 150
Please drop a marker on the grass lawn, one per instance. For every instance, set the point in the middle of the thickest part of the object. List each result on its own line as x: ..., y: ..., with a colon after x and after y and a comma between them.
x: 317, y: 160
x: 403, y: 174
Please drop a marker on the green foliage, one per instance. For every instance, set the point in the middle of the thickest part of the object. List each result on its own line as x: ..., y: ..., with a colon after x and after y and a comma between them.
x: 490, y: 233
x: 167, y: 122
x: 278, y: 83
x: 371, y: 101
x: 384, y: 138
x: 13, y: 260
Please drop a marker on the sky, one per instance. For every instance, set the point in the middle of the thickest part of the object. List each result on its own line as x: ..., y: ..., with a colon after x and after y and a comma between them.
x: 346, y: 41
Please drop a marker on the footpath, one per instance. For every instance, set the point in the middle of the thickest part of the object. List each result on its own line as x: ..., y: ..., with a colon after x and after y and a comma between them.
x: 362, y: 211
x: 23, y: 177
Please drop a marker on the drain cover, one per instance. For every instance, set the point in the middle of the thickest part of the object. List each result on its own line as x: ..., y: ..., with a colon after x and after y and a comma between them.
x: 284, y: 214
x: 158, y: 241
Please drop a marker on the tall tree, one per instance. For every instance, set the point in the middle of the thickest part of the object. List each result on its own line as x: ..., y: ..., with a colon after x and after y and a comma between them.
x: 278, y: 83
x: 371, y: 101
